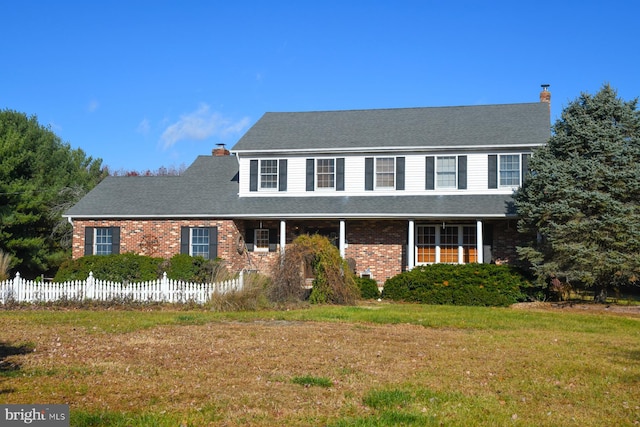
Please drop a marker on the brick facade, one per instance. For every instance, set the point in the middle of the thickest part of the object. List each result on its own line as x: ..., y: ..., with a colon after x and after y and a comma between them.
x: 379, y: 246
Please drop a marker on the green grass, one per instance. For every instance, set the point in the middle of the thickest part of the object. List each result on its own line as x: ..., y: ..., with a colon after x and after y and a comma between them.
x: 513, y: 367
x: 309, y: 381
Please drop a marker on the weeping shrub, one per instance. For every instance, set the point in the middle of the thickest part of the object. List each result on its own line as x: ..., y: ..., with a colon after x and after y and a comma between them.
x: 333, y: 280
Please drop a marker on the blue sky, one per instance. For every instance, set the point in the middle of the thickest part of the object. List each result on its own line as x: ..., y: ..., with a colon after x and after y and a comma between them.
x: 145, y: 84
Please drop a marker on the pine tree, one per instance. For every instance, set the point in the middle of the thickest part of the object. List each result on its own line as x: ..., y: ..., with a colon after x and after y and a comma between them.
x: 580, y: 207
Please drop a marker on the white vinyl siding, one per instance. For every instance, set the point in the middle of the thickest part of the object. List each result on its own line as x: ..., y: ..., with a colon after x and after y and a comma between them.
x: 354, y: 177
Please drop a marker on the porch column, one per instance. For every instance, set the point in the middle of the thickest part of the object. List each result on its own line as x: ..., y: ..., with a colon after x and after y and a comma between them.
x: 283, y: 235
x: 343, y: 239
x: 411, y: 250
x: 479, y: 243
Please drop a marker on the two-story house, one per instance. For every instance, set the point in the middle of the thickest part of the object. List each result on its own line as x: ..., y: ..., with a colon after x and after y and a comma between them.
x: 392, y: 188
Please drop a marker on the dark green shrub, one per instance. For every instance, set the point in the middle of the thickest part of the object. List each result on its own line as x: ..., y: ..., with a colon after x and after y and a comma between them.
x: 459, y: 284
x: 126, y: 267
x: 368, y: 288
x: 195, y: 269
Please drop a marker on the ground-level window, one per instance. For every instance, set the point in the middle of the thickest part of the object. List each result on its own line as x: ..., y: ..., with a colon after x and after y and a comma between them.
x: 199, y: 241
x: 261, y: 239
x: 450, y: 244
x: 102, y: 240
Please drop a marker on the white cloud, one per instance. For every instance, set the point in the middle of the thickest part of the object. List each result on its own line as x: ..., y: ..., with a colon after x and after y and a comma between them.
x: 201, y: 124
x: 93, y: 105
x: 144, y: 126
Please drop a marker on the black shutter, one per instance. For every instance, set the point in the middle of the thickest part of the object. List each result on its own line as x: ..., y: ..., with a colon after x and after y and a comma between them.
x: 493, y: 171
x: 340, y: 174
x: 213, y: 242
x: 310, y: 174
x: 525, y: 167
x: 88, y: 240
x: 399, y: 173
x: 115, y: 240
x: 462, y: 172
x: 282, y: 175
x: 368, y: 173
x: 253, y: 175
x: 249, y: 239
x: 184, y: 240
x: 430, y: 175
x: 273, y: 239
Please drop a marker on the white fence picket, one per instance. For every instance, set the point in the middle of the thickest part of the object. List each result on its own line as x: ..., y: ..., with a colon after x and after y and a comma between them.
x: 161, y: 290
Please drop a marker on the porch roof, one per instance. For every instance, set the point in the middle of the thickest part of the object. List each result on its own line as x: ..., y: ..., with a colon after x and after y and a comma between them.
x: 209, y: 189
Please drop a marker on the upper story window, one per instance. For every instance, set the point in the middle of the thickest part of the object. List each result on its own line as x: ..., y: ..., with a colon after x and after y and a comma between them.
x: 385, y: 172
x: 268, y: 174
x: 326, y: 173
x: 446, y: 172
x: 509, y: 170
x: 101, y: 240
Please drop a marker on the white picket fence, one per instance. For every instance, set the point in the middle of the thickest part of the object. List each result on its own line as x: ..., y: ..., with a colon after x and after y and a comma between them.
x: 161, y: 290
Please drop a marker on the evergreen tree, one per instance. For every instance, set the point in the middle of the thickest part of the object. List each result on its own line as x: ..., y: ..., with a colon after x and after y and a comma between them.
x: 37, y: 172
x: 580, y: 207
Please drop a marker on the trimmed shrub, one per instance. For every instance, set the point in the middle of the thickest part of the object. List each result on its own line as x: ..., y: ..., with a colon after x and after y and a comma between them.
x: 195, y: 269
x: 368, y: 288
x: 130, y: 267
x: 126, y: 267
x: 459, y: 284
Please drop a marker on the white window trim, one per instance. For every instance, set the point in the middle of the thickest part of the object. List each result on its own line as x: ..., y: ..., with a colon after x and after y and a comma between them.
x: 316, y: 178
x: 257, y: 248
x: 455, y: 174
x: 95, y: 241
x: 438, y: 230
x: 375, y: 174
x: 191, y: 229
x: 519, y: 155
x: 268, y: 189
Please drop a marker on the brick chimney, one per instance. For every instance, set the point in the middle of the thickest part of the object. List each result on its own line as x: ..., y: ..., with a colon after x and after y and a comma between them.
x: 220, y: 150
x: 545, y: 95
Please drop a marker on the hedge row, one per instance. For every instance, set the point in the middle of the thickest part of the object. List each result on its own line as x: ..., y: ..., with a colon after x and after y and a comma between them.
x: 459, y: 284
x: 130, y: 267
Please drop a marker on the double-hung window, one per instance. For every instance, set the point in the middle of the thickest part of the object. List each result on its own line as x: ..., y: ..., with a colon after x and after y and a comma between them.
x: 385, y: 172
x: 101, y: 240
x: 268, y: 174
x: 326, y: 173
x: 509, y: 170
x: 446, y: 172
x: 200, y: 242
x: 450, y: 244
x: 261, y: 239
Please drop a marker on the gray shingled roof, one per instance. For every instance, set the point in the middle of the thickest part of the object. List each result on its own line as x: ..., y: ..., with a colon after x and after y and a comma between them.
x: 209, y: 188
x: 474, y: 126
